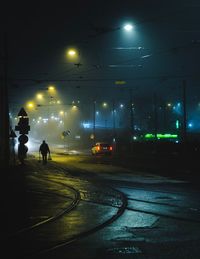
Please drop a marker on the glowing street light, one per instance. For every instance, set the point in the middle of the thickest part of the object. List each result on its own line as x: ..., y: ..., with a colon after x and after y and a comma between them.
x: 169, y: 104
x: 51, y: 88
x: 30, y: 105
x: 74, y: 107
x: 72, y: 53
x: 61, y: 113
x: 128, y: 27
x: 105, y: 105
x: 39, y: 96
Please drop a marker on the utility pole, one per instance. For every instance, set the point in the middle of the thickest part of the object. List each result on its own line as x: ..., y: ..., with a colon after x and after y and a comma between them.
x: 94, y: 121
x: 4, y: 110
x: 131, y: 115
x: 155, y: 116
x: 114, y: 124
x: 131, y: 120
x: 184, y: 133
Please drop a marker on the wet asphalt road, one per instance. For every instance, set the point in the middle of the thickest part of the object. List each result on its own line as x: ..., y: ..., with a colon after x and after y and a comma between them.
x: 77, y: 207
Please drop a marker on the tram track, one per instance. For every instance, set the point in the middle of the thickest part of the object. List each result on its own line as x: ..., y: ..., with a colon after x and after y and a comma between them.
x: 66, y: 210
x: 117, y: 193
x: 84, y: 234
x: 150, y: 189
x: 93, y: 230
x: 36, y: 227
x: 74, y: 202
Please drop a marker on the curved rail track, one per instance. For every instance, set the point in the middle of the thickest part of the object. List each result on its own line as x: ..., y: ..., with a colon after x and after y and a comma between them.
x: 98, y: 226
x: 19, y: 235
x: 70, y: 207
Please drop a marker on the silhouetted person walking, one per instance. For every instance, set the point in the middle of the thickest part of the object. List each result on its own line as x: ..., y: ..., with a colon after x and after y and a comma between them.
x: 44, y: 150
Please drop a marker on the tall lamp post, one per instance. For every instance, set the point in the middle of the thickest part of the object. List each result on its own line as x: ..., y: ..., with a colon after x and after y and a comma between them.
x: 94, y: 122
x: 114, y: 124
x: 4, y: 111
x: 131, y: 115
x: 184, y: 134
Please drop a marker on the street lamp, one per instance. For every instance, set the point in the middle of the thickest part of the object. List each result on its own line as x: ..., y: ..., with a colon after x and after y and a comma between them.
x: 105, y: 105
x: 51, y: 88
x: 128, y: 27
x: 61, y: 113
x: 72, y: 54
x: 39, y: 96
x: 30, y: 105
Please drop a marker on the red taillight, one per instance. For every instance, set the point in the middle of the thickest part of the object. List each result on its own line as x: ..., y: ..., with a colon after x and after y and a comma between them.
x: 110, y: 148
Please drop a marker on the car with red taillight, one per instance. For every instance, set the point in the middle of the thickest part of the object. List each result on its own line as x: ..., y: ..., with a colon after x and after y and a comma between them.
x: 102, y: 148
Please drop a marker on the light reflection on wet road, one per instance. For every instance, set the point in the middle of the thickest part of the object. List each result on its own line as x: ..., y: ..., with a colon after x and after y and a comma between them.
x: 161, y: 219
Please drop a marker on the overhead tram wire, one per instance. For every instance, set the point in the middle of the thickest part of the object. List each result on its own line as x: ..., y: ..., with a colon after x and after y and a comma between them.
x: 58, y: 73
x: 74, y: 69
x: 143, y: 57
x: 42, y: 80
x: 170, y: 50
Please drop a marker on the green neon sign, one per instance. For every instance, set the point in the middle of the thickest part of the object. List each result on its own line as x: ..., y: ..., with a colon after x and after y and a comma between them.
x: 160, y: 136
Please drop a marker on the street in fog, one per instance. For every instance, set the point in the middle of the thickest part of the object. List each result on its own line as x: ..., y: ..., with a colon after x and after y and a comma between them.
x: 105, y: 211
x: 111, y: 89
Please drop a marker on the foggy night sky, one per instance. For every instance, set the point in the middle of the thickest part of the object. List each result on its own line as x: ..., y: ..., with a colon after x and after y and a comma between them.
x: 162, y: 50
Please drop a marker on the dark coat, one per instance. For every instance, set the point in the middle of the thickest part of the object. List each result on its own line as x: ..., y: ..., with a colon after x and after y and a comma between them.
x: 44, y: 148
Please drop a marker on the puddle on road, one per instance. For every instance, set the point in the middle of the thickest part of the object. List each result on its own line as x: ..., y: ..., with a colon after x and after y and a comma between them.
x: 132, y: 219
x: 124, y: 250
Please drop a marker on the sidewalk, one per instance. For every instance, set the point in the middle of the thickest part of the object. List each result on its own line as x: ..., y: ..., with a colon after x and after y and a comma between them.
x: 14, y: 197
